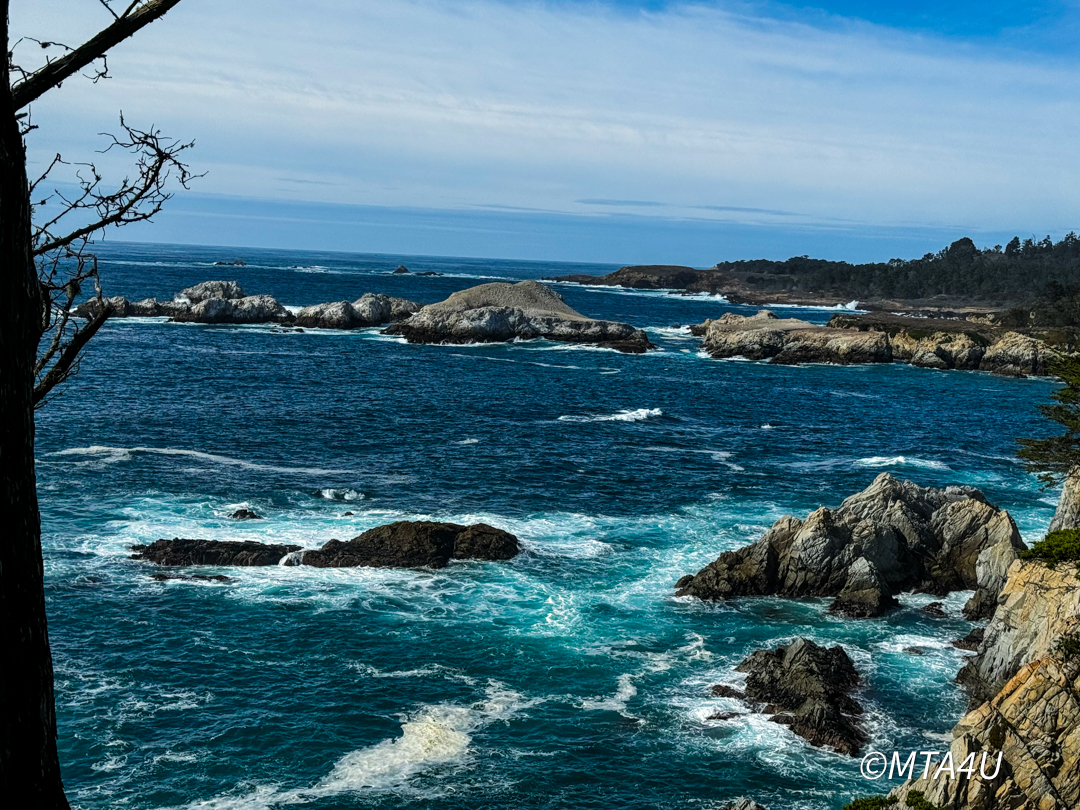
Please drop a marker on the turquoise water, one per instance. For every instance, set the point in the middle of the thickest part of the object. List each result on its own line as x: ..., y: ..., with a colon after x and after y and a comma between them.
x: 569, y: 677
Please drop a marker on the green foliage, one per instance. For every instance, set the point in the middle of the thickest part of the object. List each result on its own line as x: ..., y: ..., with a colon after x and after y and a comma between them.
x: 1058, y: 547
x: 917, y: 800
x: 1069, y: 646
x: 1054, y: 456
x: 870, y: 803
x: 1044, y: 273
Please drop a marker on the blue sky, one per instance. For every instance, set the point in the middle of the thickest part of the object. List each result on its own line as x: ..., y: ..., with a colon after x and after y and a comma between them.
x: 613, y: 131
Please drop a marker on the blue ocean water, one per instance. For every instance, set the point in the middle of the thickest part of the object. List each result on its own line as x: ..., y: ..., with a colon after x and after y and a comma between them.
x: 569, y: 677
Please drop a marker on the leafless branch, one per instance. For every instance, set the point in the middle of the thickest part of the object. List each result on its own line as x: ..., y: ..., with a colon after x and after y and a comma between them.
x: 137, y: 15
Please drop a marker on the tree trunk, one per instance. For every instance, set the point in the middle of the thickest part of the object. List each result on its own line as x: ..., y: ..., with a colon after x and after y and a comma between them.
x: 29, y: 766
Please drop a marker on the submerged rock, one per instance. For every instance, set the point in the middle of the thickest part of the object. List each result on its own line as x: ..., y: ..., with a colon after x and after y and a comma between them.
x: 245, y: 514
x: 806, y: 687
x: 184, y: 551
x: 893, y: 536
x: 405, y: 544
x: 192, y: 578
x: 500, y: 312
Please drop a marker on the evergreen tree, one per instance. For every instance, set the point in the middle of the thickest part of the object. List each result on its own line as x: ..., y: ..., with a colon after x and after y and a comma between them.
x: 1054, y: 456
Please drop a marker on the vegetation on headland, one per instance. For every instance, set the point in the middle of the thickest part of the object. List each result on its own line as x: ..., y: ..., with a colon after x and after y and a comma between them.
x: 1058, y: 547
x: 1053, y: 457
x: 915, y: 799
x: 1043, y: 272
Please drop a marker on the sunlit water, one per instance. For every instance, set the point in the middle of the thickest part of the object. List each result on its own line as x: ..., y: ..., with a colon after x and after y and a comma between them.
x: 569, y: 677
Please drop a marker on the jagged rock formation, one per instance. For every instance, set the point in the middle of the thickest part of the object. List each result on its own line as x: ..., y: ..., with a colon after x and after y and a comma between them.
x: 942, y: 350
x: 1017, y: 355
x: 404, y: 544
x: 893, y: 536
x: 500, y: 312
x: 251, y: 309
x: 1067, y: 514
x: 1026, y: 703
x: 742, y: 803
x: 1034, y: 609
x: 806, y: 687
x: 211, y: 289
x: 790, y: 341
x: 368, y: 310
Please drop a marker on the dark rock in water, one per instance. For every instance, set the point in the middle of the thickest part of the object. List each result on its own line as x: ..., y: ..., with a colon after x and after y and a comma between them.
x: 742, y: 803
x: 806, y: 687
x: 192, y: 578
x: 971, y: 641
x: 725, y: 691
x: 347, y: 514
x: 935, y: 609
x: 500, y: 312
x: 893, y: 536
x: 428, y: 273
x: 245, y: 514
x: 183, y: 551
x: 401, y: 270
x: 914, y: 650
x: 414, y: 544
x: 405, y: 544
x: 724, y: 715
x: 233, y: 263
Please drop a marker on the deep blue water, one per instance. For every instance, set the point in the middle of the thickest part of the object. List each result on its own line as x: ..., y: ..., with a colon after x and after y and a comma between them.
x: 569, y: 677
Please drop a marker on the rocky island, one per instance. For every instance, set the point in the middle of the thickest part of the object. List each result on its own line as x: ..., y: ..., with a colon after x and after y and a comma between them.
x: 892, y: 537
x: 499, y: 312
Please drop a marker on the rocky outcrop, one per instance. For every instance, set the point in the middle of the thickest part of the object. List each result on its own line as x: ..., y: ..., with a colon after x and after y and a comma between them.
x: 184, y: 551
x: 245, y: 514
x: 405, y: 544
x: 742, y: 803
x: 807, y: 688
x: 1017, y: 355
x: 415, y: 544
x: 251, y: 309
x: 893, y: 536
x: 942, y: 350
x: 368, y: 310
x: 791, y: 341
x: 500, y: 312
x: 1033, y: 723
x: 211, y: 289
x: 1067, y: 514
x: 1034, y: 609
x: 655, y: 277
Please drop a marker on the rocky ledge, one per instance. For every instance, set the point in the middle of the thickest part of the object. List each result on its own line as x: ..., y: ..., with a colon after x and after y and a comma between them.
x: 807, y: 688
x: 224, y: 302
x: 500, y: 312
x: 404, y: 544
x: 790, y: 341
x: 894, y: 536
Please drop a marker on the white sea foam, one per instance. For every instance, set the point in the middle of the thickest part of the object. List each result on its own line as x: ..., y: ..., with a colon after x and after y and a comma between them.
x: 111, y: 455
x: 902, y: 461
x: 636, y: 415
x: 468, y: 441
x: 624, y: 693
x: 720, y: 456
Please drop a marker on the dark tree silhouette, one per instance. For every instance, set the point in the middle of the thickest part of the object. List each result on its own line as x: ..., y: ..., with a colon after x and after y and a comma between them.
x: 43, y: 268
x: 1055, y: 456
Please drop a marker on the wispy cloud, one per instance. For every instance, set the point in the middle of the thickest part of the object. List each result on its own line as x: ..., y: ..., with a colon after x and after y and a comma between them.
x: 565, y: 107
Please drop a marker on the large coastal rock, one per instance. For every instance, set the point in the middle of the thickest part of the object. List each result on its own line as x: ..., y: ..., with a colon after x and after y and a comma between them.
x: 807, y: 688
x: 1026, y: 703
x: 404, y: 544
x: 1017, y: 355
x: 655, y: 277
x: 369, y: 310
x: 790, y: 341
x: 1036, y: 607
x: 500, y: 312
x: 211, y: 289
x: 893, y: 536
x: 1067, y: 514
x: 943, y: 350
x: 252, y: 309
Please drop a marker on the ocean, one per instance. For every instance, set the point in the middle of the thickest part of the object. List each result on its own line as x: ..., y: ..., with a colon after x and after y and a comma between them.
x: 570, y: 677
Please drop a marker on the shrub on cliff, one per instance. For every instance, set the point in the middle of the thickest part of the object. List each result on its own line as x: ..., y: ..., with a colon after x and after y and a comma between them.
x: 1058, y: 547
x: 1054, y: 456
x: 915, y: 800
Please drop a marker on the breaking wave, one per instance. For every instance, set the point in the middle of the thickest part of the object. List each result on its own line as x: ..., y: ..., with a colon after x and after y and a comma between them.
x: 636, y: 415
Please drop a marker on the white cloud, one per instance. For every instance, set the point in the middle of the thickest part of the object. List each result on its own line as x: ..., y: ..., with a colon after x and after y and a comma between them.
x: 471, y: 102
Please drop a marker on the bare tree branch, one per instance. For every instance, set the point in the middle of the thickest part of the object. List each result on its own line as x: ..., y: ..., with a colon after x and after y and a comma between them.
x: 136, y: 16
x: 68, y: 361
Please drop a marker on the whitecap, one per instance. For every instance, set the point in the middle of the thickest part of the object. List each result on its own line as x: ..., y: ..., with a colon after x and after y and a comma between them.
x: 344, y: 494
x: 468, y: 441
x: 109, y: 455
x: 635, y: 415
x: 902, y: 461
x: 624, y: 693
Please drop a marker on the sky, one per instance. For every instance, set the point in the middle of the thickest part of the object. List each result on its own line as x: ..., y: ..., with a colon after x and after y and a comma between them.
x: 626, y: 131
